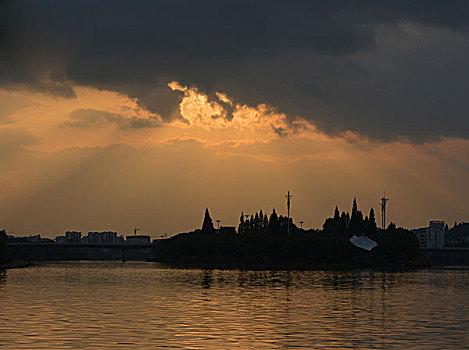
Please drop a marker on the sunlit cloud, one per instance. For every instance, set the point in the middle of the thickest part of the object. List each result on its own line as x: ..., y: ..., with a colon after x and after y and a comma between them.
x: 262, y: 121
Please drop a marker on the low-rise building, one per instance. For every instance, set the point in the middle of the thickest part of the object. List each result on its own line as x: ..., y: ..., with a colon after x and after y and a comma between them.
x: 138, y: 239
x: 73, y: 236
x: 106, y: 237
x: 458, y: 236
x: 29, y: 239
x: 33, y: 239
x: 61, y: 239
x: 432, y: 236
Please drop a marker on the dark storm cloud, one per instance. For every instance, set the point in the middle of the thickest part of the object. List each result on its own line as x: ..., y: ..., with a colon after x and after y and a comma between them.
x: 91, y: 118
x: 345, y: 65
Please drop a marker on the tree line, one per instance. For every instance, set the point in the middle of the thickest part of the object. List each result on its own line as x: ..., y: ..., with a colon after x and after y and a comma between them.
x: 345, y: 223
x: 259, y: 223
x: 352, y: 224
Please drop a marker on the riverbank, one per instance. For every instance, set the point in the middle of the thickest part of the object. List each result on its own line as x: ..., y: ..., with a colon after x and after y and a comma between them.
x: 15, y: 265
x: 446, y: 256
x: 300, y: 251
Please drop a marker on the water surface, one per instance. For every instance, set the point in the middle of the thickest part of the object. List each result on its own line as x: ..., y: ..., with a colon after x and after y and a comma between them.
x: 75, y: 305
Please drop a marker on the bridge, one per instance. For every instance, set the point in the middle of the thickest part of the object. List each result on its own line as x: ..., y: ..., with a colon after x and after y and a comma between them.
x: 124, y: 251
x: 79, y: 251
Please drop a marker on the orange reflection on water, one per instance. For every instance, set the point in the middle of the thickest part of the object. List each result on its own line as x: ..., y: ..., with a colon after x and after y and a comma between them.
x: 142, y: 305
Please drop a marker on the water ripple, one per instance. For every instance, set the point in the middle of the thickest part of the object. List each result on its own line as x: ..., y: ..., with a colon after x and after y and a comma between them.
x: 96, y: 305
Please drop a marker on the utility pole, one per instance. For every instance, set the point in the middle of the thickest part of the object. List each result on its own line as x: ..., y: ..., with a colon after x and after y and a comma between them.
x: 288, y: 197
x: 135, y: 231
x: 383, y: 211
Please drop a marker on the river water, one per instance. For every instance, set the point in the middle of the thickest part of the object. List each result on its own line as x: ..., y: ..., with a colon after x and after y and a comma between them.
x: 102, y: 305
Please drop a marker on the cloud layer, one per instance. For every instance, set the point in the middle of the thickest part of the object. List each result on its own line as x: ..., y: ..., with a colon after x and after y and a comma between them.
x: 385, y: 69
x: 83, y: 164
x: 118, y: 113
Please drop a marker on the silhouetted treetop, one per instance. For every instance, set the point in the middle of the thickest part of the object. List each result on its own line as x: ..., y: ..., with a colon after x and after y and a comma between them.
x: 347, y: 226
x: 241, y: 226
x: 372, y: 219
x: 336, y: 213
x: 207, y: 225
x: 354, y: 207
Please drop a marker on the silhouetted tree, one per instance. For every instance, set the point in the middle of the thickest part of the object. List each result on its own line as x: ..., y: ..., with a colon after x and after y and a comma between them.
x: 336, y: 214
x: 356, y: 225
x: 241, y: 227
x: 354, y: 207
x: 207, y: 225
x: 274, y: 224
x: 3, y: 247
x: 372, y: 219
x: 337, y: 225
x: 345, y: 217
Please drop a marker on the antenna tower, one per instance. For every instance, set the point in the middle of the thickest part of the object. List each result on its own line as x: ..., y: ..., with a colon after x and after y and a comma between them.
x: 288, y: 197
x: 383, y: 211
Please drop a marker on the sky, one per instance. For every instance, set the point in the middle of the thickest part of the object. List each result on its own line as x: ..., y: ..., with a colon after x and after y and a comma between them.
x: 118, y: 114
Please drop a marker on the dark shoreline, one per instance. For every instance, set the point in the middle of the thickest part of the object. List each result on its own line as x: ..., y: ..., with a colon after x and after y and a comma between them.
x: 15, y: 265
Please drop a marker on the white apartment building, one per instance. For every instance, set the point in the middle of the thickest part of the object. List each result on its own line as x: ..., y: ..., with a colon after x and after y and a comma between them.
x: 432, y: 236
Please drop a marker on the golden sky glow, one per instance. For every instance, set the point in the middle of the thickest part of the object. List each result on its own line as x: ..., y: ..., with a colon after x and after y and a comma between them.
x: 101, y: 161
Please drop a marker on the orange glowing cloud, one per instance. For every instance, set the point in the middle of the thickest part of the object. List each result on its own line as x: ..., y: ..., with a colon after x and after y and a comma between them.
x: 262, y: 121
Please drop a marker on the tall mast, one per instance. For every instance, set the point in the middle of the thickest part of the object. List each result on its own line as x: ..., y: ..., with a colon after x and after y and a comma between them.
x: 288, y: 197
x: 383, y: 211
